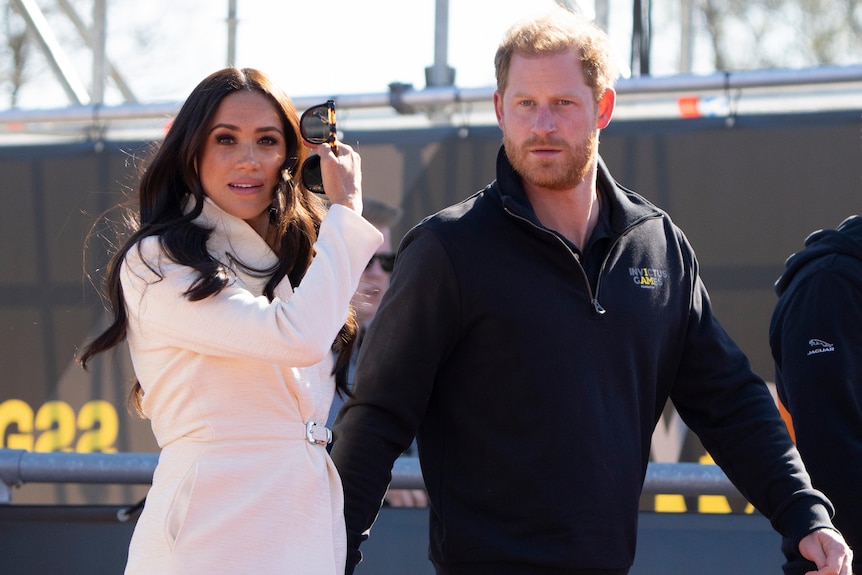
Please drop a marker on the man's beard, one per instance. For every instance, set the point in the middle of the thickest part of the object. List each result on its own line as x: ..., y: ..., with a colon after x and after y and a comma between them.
x: 564, y: 172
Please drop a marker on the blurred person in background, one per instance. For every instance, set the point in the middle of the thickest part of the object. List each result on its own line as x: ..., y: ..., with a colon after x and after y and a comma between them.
x: 372, y: 285
x: 816, y: 341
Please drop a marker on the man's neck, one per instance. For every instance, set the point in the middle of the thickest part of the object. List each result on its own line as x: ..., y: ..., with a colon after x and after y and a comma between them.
x: 571, y: 213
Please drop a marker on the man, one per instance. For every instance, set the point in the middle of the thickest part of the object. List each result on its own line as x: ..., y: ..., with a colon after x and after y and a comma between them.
x: 817, y: 345
x: 531, y: 336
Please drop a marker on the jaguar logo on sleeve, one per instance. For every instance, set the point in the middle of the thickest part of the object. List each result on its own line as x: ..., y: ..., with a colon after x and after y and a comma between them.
x: 819, y: 346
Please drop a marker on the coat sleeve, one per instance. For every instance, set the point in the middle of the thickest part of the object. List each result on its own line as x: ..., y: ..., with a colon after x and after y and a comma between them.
x: 295, y: 328
x: 410, y: 335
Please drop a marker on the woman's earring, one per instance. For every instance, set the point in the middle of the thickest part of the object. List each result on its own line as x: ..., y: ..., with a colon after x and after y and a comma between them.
x: 281, y: 191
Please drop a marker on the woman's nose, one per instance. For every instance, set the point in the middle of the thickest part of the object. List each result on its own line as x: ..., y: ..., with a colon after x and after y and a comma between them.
x: 249, y: 156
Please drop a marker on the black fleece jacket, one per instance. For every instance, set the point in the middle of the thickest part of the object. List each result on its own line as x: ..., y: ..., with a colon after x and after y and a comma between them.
x: 816, y: 340
x: 534, y: 396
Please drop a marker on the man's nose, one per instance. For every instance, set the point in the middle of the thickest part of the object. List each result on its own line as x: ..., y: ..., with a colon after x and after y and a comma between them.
x: 545, y: 121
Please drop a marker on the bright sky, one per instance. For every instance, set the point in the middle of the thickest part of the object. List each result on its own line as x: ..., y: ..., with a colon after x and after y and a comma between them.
x: 163, y: 48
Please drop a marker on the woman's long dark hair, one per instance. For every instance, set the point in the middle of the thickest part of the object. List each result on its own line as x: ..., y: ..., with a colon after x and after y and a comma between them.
x: 171, y: 181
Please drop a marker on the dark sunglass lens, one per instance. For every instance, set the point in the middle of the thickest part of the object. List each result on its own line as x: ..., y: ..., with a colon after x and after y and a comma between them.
x: 387, y: 262
x: 312, y: 179
x: 314, y: 125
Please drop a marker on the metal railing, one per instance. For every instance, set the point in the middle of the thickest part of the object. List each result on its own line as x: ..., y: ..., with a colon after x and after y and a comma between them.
x: 405, y: 99
x: 18, y: 467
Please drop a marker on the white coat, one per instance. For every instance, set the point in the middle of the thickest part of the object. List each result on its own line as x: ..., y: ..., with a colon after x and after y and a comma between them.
x: 230, y: 383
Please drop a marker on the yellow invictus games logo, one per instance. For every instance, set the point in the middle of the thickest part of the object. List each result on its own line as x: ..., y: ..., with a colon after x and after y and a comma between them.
x: 648, y: 278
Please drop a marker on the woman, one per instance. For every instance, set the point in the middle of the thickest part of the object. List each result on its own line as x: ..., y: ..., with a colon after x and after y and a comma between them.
x: 231, y: 291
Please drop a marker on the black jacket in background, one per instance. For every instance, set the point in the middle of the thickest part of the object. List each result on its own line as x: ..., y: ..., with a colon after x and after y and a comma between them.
x: 816, y: 340
x: 534, y: 397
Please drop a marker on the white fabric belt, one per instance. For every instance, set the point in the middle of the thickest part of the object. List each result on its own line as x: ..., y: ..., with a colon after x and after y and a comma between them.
x: 317, y: 434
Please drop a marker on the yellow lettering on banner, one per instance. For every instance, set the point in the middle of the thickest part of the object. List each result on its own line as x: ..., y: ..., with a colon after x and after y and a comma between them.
x: 56, y: 421
x: 98, y: 419
x: 55, y: 426
x: 18, y: 413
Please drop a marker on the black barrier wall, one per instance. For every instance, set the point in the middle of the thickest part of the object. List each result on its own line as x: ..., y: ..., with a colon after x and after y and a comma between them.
x: 83, y: 540
x: 746, y: 195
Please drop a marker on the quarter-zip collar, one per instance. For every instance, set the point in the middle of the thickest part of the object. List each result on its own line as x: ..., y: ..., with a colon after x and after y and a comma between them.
x: 622, y: 210
x: 626, y: 208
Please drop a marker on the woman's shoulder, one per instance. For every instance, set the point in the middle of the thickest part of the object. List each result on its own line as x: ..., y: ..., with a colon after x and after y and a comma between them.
x: 145, y: 258
x: 146, y: 250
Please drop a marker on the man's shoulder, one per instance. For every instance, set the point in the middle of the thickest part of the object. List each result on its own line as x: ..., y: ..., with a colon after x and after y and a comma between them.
x: 463, y: 223
x: 457, y: 214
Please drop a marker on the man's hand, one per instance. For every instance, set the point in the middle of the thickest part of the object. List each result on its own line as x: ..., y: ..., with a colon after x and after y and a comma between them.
x: 828, y: 550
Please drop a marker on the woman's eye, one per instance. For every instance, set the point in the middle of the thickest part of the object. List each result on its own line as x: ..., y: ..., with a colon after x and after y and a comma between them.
x: 224, y: 139
x: 269, y: 141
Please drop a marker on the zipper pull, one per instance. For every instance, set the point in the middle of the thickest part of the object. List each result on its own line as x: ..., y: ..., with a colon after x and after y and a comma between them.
x: 598, y: 307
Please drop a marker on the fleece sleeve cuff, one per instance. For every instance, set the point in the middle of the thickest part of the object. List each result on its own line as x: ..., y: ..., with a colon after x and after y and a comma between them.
x: 803, y: 516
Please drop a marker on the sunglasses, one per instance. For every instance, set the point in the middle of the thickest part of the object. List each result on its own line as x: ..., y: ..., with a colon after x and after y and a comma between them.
x: 317, y: 126
x: 387, y: 262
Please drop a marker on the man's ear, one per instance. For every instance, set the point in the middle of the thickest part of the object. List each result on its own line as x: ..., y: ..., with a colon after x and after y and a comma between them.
x: 606, y: 108
x: 498, y: 107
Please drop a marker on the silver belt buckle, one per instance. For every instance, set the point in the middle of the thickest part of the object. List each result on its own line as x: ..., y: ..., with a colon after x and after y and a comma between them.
x: 317, y: 434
